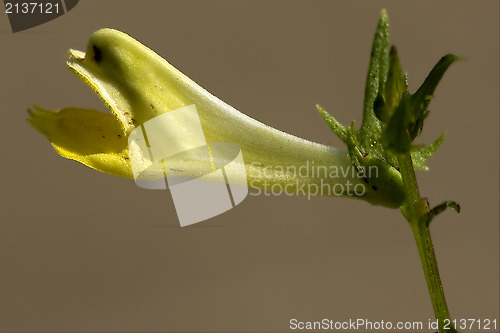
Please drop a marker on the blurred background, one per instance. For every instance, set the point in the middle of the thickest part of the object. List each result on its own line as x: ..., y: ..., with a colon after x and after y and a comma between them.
x: 85, y: 251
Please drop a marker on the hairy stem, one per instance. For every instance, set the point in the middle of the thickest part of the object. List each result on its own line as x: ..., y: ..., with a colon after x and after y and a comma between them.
x: 414, y: 210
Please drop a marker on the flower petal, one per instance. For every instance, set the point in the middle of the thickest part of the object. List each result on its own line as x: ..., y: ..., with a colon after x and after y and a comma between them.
x: 87, y: 136
x: 139, y: 85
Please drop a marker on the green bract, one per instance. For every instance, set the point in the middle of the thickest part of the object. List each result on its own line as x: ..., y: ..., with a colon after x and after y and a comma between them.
x: 392, y: 117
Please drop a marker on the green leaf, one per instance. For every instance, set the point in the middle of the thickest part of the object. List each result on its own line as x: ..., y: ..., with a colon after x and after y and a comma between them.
x: 390, y: 94
x: 407, y: 121
x: 396, y: 137
x: 336, y: 127
x: 441, y: 208
x: 366, y: 144
x: 421, y: 98
x: 353, y: 148
x: 421, y: 155
x: 370, y: 131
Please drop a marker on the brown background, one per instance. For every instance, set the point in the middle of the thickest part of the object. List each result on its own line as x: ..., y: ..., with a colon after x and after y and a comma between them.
x: 84, y: 251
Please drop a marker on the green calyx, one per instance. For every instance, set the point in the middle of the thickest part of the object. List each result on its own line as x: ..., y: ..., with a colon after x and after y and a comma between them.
x: 392, y: 117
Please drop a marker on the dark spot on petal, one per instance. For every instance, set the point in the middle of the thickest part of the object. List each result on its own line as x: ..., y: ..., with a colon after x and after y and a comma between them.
x: 97, y: 53
x: 119, y: 136
x: 103, y: 137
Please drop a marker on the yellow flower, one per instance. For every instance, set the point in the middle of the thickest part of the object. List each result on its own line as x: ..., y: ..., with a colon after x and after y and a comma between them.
x: 138, y: 85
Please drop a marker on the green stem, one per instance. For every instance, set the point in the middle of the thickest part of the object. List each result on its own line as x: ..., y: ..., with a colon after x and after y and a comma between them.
x: 414, y: 210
